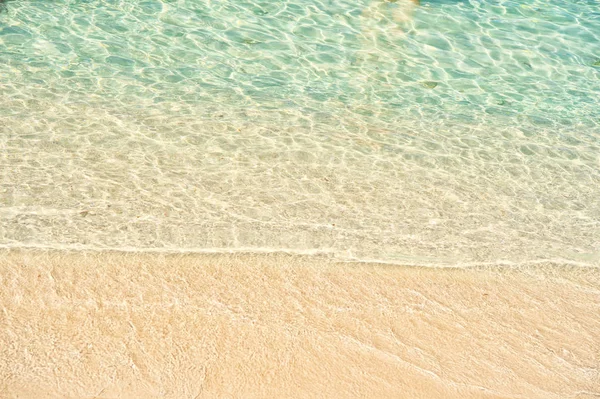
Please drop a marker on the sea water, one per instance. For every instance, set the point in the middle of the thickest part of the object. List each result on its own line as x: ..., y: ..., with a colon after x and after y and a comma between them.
x: 448, y: 133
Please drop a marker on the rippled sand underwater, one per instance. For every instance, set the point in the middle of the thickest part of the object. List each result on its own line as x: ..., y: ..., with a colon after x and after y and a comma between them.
x: 159, y: 159
x: 447, y: 134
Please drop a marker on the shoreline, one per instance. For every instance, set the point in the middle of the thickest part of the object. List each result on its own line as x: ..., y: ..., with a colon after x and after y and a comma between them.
x: 125, y: 325
x: 329, y: 254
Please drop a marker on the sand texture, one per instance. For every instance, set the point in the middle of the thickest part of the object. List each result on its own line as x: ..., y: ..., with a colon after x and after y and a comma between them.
x: 115, y: 325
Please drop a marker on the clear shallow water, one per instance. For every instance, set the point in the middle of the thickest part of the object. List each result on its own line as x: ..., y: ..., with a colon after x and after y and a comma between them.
x: 450, y: 133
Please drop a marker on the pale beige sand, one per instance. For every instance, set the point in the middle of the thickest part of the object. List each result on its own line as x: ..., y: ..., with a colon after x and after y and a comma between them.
x: 92, y: 325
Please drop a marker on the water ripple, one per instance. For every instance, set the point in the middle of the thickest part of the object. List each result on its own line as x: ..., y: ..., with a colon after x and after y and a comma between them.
x: 452, y: 132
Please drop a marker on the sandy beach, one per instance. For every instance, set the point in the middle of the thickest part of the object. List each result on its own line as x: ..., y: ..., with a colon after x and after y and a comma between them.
x: 117, y: 325
x: 299, y: 199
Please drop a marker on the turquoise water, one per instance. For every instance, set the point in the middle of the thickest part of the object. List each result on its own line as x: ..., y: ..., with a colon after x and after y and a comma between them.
x: 453, y: 132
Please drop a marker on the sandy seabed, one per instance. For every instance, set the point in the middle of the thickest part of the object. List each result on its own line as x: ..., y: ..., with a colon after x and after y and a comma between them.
x: 117, y: 325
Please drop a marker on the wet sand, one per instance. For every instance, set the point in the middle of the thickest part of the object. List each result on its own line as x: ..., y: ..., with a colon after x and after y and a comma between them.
x: 115, y: 325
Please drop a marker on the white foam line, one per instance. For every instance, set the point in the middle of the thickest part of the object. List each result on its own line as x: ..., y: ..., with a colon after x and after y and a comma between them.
x: 468, y: 265
x: 246, y: 250
x: 329, y: 253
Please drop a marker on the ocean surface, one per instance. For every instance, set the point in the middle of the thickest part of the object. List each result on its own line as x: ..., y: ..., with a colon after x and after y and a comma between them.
x: 449, y: 133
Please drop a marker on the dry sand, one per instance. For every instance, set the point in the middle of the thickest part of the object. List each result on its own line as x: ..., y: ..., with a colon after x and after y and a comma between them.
x: 113, y: 325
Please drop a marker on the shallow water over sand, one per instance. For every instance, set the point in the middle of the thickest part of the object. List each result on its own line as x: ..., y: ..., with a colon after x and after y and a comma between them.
x: 449, y: 134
